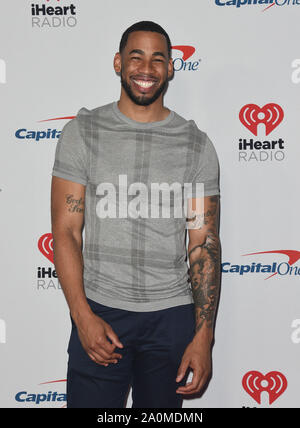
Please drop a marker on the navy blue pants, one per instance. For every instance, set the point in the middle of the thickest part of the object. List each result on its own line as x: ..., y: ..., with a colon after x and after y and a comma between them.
x: 154, y: 343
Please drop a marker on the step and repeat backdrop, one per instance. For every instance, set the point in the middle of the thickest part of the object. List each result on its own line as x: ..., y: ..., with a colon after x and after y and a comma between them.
x: 237, y: 74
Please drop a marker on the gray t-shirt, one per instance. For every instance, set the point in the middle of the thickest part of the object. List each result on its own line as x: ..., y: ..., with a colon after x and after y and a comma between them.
x: 131, y: 262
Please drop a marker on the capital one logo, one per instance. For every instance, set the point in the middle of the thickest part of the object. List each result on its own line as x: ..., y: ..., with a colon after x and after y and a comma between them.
x: 42, y: 398
x: 181, y: 63
x: 254, y: 383
x: 239, y: 3
x: 33, y: 135
x: 2, y: 71
x: 251, y: 115
x: 282, y: 269
x: 285, y: 267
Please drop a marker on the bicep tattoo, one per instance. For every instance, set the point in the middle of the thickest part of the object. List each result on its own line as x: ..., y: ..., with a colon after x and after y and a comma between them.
x: 74, y: 205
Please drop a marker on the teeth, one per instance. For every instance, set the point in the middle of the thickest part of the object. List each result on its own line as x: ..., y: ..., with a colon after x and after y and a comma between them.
x: 143, y: 83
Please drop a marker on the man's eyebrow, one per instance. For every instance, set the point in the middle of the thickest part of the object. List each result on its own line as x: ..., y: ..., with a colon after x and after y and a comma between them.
x: 159, y: 54
x: 138, y: 51
x: 141, y: 52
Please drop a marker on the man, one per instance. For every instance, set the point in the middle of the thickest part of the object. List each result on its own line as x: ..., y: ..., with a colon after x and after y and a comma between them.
x: 135, y: 318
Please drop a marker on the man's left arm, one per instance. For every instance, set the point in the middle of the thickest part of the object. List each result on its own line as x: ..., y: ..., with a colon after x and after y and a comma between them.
x: 204, y: 259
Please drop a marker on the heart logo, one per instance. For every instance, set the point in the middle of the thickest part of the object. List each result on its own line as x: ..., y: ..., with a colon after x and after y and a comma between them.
x: 271, y: 115
x: 45, y: 245
x: 274, y: 383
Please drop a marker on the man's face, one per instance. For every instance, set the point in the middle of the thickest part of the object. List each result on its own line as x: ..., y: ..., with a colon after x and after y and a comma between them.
x: 144, y: 66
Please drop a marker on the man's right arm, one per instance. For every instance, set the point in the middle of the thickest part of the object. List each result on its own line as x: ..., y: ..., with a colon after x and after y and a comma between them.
x: 67, y: 219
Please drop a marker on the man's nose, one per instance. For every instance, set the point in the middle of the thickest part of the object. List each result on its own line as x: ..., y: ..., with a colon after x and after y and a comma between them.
x: 146, y: 67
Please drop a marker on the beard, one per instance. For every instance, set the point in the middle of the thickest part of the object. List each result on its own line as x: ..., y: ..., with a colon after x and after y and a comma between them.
x: 143, y: 100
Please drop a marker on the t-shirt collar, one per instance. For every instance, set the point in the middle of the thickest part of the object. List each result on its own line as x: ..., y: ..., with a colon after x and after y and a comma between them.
x: 137, y: 124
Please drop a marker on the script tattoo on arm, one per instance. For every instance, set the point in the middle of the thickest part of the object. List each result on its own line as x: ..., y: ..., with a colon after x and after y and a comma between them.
x: 74, y: 205
x: 204, y: 260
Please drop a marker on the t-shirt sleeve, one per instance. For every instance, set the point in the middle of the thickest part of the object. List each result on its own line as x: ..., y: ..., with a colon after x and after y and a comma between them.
x: 70, y: 160
x: 207, y: 174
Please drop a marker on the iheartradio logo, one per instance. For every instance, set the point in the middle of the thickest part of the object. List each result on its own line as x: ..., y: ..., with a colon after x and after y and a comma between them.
x: 251, y: 116
x: 254, y: 383
x: 47, y: 278
x: 45, y: 245
x: 54, y: 15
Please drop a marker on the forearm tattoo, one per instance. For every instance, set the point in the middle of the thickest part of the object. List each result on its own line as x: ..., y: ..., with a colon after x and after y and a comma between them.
x: 204, y: 275
x: 197, y: 220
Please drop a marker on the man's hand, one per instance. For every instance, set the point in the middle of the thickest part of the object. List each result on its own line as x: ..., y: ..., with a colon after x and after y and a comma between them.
x: 93, y: 333
x: 197, y: 356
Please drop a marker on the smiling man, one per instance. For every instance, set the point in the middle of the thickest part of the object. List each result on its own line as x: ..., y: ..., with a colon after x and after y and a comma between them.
x: 144, y: 89
x: 140, y: 315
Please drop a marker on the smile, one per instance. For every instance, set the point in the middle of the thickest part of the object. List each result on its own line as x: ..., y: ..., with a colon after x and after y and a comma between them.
x: 143, y: 83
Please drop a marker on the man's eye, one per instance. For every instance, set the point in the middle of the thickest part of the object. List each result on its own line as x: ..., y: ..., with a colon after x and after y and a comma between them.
x: 135, y: 57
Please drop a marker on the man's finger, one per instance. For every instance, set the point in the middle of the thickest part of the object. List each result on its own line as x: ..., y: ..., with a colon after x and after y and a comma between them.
x: 182, y: 370
x: 193, y: 387
x: 190, y: 386
x: 203, y: 379
x: 97, y: 360
x: 109, y: 357
x: 108, y: 348
x: 114, y: 338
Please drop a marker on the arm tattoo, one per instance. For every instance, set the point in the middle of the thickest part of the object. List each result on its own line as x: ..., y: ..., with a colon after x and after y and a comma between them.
x: 198, y: 220
x: 74, y: 205
x: 204, y: 273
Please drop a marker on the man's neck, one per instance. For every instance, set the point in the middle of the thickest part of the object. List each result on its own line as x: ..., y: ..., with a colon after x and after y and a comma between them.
x: 151, y: 113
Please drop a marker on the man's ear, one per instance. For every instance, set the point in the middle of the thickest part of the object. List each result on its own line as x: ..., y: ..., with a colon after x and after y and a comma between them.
x: 117, y: 62
x: 170, y: 69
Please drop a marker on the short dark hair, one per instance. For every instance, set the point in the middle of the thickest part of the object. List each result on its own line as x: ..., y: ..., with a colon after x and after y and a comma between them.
x: 144, y: 26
